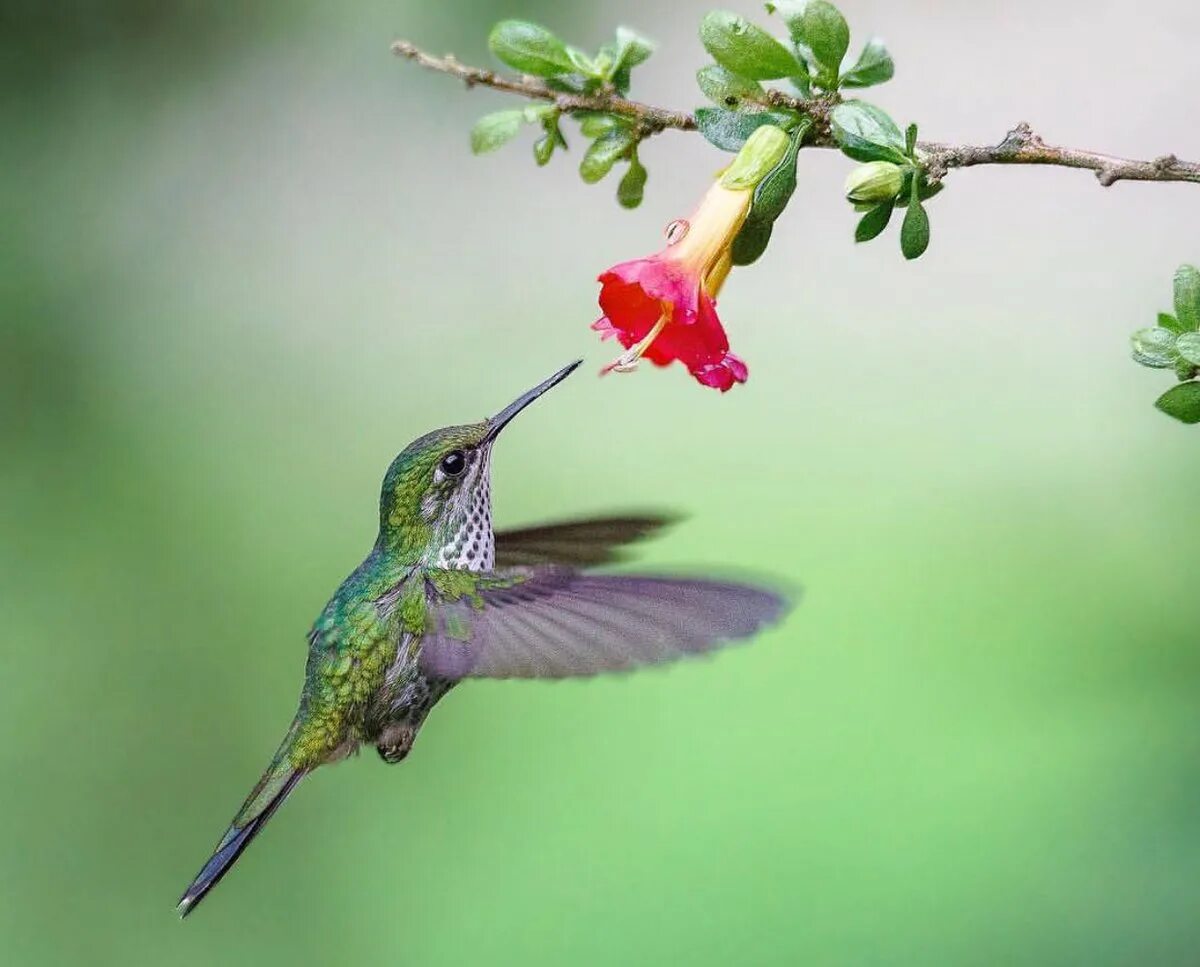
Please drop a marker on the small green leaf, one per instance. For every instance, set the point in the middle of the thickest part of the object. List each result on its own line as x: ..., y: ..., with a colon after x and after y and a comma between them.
x: 751, y: 241
x: 593, y: 124
x: 1188, y: 347
x: 552, y: 137
x: 792, y: 12
x: 725, y: 88
x: 543, y: 149
x: 866, y: 133
x: 910, y: 140
x: 914, y: 230
x: 632, y: 48
x: 581, y: 62
x: 826, y: 34
x: 1187, y: 297
x: 533, y: 113
x: 1181, y: 402
x: 770, y: 199
x: 1185, y: 370
x: 928, y: 191
x: 1168, y: 321
x: 531, y: 48
x: 605, y: 152
x: 745, y: 48
x: 819, y: 33
x: 493, y: 130
x: 1154, y: 347
x: 633, y: 184
x: 728, y: 130
x: 873, y: 222
x: 874, y: 66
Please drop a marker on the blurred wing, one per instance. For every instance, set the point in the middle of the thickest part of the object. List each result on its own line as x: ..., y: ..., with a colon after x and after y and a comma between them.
x: 557, y: 623
x: 580, y: 543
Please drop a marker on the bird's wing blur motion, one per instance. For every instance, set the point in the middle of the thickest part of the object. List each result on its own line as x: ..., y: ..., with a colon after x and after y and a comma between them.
x: 555, y: 622
x: 579, y: 543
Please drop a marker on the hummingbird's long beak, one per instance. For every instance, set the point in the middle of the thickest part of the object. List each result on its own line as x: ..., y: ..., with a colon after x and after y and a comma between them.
x: 498, y: 422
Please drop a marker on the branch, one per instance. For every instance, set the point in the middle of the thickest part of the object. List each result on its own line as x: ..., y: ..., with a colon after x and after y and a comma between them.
x: 1020, y: 147
x: 651, y: 120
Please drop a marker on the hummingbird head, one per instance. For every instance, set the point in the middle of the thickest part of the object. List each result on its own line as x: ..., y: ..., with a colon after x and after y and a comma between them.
x: 436, y: 503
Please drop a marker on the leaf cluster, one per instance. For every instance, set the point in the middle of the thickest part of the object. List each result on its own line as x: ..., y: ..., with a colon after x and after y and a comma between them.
x: 536, y: 51
x: 1175, y: 344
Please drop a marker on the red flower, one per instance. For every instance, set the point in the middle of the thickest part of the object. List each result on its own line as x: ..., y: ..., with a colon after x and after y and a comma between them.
x: 664, y: 306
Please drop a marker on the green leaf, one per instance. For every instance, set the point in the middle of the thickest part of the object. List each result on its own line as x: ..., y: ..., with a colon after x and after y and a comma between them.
x: 530, y: 48
x: 543, y: 149
x: 874, y: 66
x: 605, y: 152
x: 873, y: 222
x: 928, y: 191
x: 533, y: 113
x: 725, y: 88
x: 1185, y: 370
x: 581, y: 62
x: 792, y: 12
x: 826, y: 34
x: 552, y: 137
x: 910, y: 140
x: 632, y: 48
x: 593, y: 124
x: 1181, y: 402
x: 633, y: 184
x: 1187, y: 297
x: 728, y: 130
x: 818, y: 31
x: 1168, y: 321
x: 914, y: 230
x: 1154, y: 347
x: 770, y: 199
x: 745, y: 48
x: 1188, y: 347
x: 493, y: 130
x: 866, y: 133
x: 751, y: 241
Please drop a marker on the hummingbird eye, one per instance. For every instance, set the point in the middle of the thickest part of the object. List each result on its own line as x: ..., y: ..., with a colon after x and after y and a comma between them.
x: 454, y: 463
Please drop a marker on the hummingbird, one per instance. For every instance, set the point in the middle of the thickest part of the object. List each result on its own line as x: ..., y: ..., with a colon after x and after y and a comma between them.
x: 441, y: 598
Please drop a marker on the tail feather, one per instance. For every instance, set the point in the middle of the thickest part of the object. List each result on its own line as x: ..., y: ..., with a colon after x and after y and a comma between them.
x: 272, y: 789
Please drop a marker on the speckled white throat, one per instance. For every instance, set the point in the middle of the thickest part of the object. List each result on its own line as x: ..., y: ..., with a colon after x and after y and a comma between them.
x: 473, y: 545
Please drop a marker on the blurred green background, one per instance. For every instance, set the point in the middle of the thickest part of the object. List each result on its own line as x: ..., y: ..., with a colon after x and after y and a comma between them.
x: 246, y: 256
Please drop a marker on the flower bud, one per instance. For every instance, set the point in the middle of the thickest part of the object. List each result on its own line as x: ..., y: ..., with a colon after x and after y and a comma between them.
x: 874, y: 182
x: 763, y: 150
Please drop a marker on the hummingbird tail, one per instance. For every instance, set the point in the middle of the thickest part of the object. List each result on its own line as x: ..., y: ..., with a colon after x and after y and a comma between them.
x: 268, y: 795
